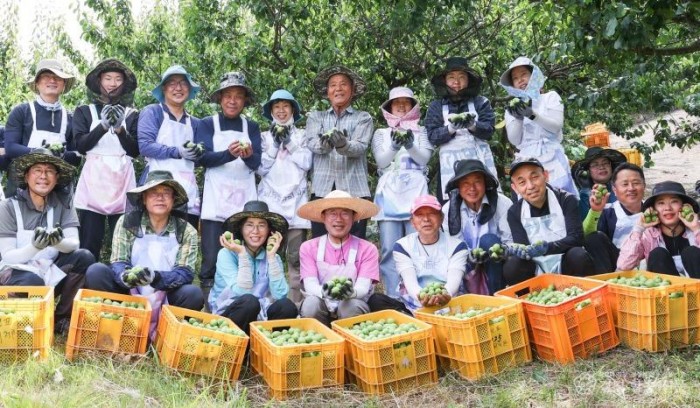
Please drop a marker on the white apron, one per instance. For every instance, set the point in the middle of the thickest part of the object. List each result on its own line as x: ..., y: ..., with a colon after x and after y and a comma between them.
x: 38, y: 137
x: 107, y: 174
x: 260, y: 290
x: 326, y: 271
x: 157, y: 253
x: 542, y: 144
x: 624, y: 225
x: 548, y: 228
x: 42, y: 263
x: 463, y: 146
x: 398, y: 186
x: 229, y: 186
x: 429, y: 268
x: 174, y: 133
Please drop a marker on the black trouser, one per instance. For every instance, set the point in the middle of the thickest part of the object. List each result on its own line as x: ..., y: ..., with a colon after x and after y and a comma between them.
x: 380, y: 301
x: 100, y: 277
x: 603, y: 252
x: 74, y: 264
x: 211, y: 231
x: 575, y: 262
x: 661, y: 261
x: 92, y: 230
x: 359, y: 228
x: 245, y: 309
x: 193, y: 220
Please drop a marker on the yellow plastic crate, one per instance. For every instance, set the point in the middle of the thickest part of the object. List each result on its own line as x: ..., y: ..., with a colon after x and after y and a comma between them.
x: 26, y: 322
x: 180, y: 346
x: 648, y: 318
x: 289, y: 370
x: 596, y: 134
x: 89, y: 331
x: 633, y: 155
x: 484, y: 344
x: 393, y: 364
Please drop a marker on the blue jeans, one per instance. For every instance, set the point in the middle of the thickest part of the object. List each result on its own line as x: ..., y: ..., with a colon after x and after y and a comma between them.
x: 389, y: 233
x: 494, y: 270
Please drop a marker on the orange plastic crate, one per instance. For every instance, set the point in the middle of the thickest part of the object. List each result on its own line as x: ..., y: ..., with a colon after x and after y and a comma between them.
x: 27, y: 330
x: 561, y: 333
x: 289, y: 370
x: 648, y: 319
x: 596, y: 134
x: 179, y: 345
x: 484, y: 344
x: 90, y: 332
x: 393, y: 364
x: 633, y: 155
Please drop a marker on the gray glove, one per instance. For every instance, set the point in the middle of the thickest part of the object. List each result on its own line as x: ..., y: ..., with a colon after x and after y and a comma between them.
x: 40, y: 239
x: 137, y: 276
x: 56, y: 236
x: 106, y: 114
x: 339, y: 139
x: 524, y: 111
x: 190, y: 151
x: 117, y: 116
x: 477, y: 256
x: 57, y: 149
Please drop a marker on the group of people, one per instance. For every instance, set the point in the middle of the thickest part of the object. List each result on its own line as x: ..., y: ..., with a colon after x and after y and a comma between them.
x: 256, y: 208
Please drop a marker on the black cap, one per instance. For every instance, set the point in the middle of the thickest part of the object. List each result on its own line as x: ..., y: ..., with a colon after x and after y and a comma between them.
x: 519, y: 162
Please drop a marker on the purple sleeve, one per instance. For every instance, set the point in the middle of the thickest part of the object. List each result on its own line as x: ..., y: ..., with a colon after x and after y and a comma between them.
x: 150, y: 119
x: 435, y: 124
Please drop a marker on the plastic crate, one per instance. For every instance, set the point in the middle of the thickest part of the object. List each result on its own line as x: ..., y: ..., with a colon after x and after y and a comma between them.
x: 393, y: 364
x: 484, y: 344
x: 180, y: 346
x: 289, y: 370
x: 633, y: 155
x: 561, y: 333
x: 648, y: 319
x: 91, y: 332
x: 596, y: 134
x: 27, y: 331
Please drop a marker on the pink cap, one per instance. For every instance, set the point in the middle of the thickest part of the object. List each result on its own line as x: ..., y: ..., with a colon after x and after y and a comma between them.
x: 425, y: 201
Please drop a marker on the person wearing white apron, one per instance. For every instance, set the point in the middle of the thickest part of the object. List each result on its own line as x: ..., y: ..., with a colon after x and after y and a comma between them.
x: 283, y: 172
x: 337, y: 254
x: 426, y: 256
x: 105, y: 132
x: 607, y: 226
x: 39, y: 232
x: 597, y: 167
x: 158, y: 242
x: 165, y: 129
x: 546, y: 220
x: 231, y: 155
x: 671, y: 244
x: 250, y: 283
x: 536, y: 129
x: 44, y: 122
x: 402, y: 166
x: 477, y: 215
x: 458, y: 86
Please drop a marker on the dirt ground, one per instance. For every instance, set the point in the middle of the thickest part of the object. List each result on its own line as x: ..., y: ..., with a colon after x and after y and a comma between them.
x: 670, y: 163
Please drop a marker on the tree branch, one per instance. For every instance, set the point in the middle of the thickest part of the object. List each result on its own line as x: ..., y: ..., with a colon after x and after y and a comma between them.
x: 693, y: 47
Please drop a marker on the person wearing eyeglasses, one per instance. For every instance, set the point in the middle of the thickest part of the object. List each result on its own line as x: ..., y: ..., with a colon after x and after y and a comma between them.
x: 596, y: 168
x: 39, y: 240
x: 337, y: 254
x: 165, y: 131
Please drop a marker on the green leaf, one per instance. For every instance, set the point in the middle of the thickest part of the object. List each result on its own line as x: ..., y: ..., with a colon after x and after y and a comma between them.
x: 610, y: 28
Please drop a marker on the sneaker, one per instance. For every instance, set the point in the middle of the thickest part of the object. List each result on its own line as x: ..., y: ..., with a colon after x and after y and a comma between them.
x: 62, y: 326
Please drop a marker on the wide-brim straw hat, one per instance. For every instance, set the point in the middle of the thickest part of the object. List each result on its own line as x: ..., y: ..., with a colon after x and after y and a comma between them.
x: 362, y: 208
x: 66, y: 172
x: 321, y: 81
x: 256, y: 209
x: 156, y: 178
x: 56, y: 67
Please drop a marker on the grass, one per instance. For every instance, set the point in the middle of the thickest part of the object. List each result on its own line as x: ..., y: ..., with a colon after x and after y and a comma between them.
x: 621, y: 377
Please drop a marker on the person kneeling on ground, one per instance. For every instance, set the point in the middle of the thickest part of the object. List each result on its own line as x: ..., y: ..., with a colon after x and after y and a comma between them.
x: 477, y: 214
x: 667, y: 235
x: 249, y: 283
x: 425, y: 257
x: 39, y: 232
x: 154, y: 249
x: 606, y: 227
x: 338, y: 254
x: 596, y: 168
x: 545, y: 222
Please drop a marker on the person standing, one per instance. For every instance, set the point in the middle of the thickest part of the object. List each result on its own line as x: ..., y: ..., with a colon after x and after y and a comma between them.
x: 105, y: 132
x: 402, y: 152
x: 339, y: 138
x: 164, y: 130
x: 461, y: 122
x: 285, y: 163
x: 534, y: 124
x: 44, y: 122
x: 232, y: 153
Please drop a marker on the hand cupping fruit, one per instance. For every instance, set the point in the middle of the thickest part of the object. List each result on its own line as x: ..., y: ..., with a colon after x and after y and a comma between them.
x: 550, y: 296
x: 293, y: 336
x: 687, y: 212
x: 381, y: 329
x: 338, y: 288
x: 516, y: 103
x: 650, y: 215
x: 496, y: 252
x: 599, y: 192
x: 196, y: 148
x: 326, y: 137
x: 432, y: 289
x: 219, y: 325
x: 460, y: 118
